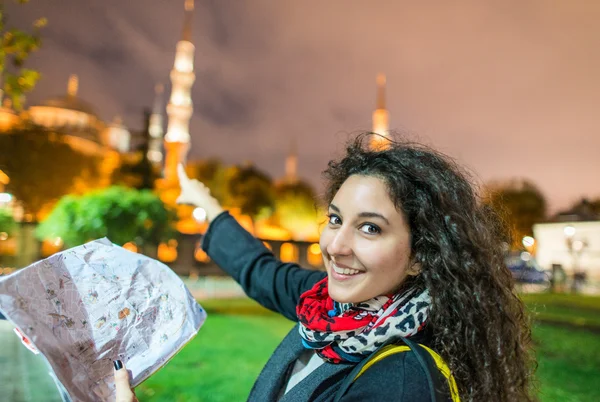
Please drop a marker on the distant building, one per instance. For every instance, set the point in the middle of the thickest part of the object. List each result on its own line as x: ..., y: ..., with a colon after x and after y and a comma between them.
x: 571, y: 239
x: 76, y: 119
x: 79, y: 126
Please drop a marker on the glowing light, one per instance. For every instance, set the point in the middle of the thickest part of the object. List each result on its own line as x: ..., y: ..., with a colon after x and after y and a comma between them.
x: 5, y: 198
x: 131, y: 246
x: 314, y: 257
x: 199, y: 214
x: 525, y: 256
x: 7, y: 270
x: 51, y: 246
x: 528, y: 241
x: 569, y: 231
x: 176, y: 134
x: 184, y: 65
x: 288, y: 253
x: 4, y: 179
x: 167, y: 252
x: 200, y: 255
x: 3, y: 236
x: 155, y: 156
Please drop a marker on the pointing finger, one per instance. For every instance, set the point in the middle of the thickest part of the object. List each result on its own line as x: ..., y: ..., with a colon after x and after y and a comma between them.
x: 181, y: 173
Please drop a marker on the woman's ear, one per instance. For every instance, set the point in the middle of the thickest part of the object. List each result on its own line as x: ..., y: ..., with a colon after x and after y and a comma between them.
x: 414, y: 269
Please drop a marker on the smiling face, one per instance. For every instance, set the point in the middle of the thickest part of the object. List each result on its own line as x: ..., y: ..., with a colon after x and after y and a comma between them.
x: 366, y: 243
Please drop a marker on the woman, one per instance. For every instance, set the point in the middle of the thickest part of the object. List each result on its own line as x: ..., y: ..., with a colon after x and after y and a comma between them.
x: 409, y: 255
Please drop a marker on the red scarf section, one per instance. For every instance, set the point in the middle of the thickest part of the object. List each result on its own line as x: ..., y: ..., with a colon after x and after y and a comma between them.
x: 317, y: 312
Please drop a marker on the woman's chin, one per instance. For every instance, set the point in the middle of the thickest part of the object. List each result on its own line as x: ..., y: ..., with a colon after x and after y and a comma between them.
x: 342, y: 295
x: 345, y: 289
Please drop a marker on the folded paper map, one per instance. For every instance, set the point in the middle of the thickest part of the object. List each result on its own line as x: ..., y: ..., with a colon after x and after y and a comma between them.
x: 87, y: 306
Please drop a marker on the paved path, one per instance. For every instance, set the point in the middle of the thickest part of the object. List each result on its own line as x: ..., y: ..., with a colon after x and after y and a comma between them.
x: 23, y: 375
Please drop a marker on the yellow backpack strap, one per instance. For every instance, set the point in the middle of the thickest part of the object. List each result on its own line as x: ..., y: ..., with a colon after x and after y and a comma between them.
x: 445, y: 370
x: 382, y: 354
x: 441, y: 365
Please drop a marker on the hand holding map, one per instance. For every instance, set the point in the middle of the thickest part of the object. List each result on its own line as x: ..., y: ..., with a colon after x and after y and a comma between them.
x: 92, y: 304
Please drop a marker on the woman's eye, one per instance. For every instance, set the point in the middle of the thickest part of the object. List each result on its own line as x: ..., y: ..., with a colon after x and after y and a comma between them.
x: 369, y: 228
x: 334, y: 220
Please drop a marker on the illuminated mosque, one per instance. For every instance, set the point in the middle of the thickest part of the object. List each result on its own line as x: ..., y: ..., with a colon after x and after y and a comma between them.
x: 113, y: 141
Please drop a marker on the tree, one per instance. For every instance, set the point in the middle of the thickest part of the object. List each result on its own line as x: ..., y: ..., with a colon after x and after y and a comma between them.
x: 595, y: 206
x: 121, y: 214
x: 140, y: 174
x: 250, y: 190
x: 296, y: 209
x: 7, y: 223
x: 16, y: 47
x: 213, y: 174
x: 41, y: 166
x: 583, y: 209
x: 521, y: 204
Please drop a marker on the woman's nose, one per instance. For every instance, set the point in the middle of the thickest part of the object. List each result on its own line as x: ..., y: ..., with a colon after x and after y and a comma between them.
x: 341, y: 243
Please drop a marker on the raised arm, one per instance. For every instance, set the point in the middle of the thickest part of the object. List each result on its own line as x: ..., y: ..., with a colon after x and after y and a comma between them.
x: 272, y: 283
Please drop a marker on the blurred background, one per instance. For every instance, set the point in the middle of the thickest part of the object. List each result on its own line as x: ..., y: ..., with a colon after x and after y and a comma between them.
x: 100, y: 100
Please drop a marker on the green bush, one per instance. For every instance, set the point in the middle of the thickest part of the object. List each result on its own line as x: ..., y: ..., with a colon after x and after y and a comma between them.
x: 7, y: 223
x: 119, y: 213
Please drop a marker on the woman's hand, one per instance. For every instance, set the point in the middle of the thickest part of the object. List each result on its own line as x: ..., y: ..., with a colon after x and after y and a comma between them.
x: 124, y: 392
x: 195, y: 193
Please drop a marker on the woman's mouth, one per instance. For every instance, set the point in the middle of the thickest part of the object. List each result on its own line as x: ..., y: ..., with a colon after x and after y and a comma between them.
x: 342, y: 273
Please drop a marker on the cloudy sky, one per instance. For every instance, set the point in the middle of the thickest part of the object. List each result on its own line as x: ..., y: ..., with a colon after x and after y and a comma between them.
x: 508, y: 88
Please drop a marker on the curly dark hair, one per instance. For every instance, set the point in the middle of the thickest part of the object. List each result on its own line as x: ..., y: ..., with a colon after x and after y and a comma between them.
x: 479, y: 323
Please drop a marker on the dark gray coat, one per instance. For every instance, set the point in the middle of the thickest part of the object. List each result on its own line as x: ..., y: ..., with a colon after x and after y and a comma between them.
x: 278, y: 286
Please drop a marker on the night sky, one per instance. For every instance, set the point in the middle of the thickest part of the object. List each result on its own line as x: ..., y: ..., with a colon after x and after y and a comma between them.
x: 509, y: 88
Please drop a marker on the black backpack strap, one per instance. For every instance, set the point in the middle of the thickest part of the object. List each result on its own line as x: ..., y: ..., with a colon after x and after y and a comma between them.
x: 438, y: 388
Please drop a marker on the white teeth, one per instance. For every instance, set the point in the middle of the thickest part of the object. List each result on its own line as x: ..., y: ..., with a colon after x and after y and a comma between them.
x: 344, y: 271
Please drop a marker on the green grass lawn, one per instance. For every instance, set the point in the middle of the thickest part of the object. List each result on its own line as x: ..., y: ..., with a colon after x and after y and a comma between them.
x: 223, y: 361
x: 570, y: 309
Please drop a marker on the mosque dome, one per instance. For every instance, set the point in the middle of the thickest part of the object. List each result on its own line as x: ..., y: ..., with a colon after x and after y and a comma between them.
x: 69, y: 113
x: 71, y: 103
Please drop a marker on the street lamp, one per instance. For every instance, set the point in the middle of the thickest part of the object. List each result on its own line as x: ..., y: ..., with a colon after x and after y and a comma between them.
x: 576, y: 248
x: 528, y: 242
x: 5, y: 198
x: 569, y: 231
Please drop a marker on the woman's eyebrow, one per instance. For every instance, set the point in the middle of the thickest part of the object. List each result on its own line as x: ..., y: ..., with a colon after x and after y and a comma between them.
x: 373, y: 215
x: 363, y: 214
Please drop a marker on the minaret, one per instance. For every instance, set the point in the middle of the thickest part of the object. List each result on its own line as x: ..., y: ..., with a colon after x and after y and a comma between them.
x: 291, y: 165
x: 155, y: 154
x: 381, y: 116
x: 179, y: 109
x: 73, y: 85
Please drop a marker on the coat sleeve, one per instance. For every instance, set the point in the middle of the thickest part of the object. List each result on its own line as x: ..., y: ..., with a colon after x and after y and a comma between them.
x: 272, y: 283
x: 396, y: 378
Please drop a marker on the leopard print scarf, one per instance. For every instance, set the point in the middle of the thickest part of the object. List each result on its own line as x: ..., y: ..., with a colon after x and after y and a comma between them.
x: 345, y: 332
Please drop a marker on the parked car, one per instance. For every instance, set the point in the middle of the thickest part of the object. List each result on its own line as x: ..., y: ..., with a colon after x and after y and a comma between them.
x: 525, y: 269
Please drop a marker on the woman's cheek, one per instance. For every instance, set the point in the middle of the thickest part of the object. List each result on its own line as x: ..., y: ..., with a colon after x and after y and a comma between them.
x: 324, y: 241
